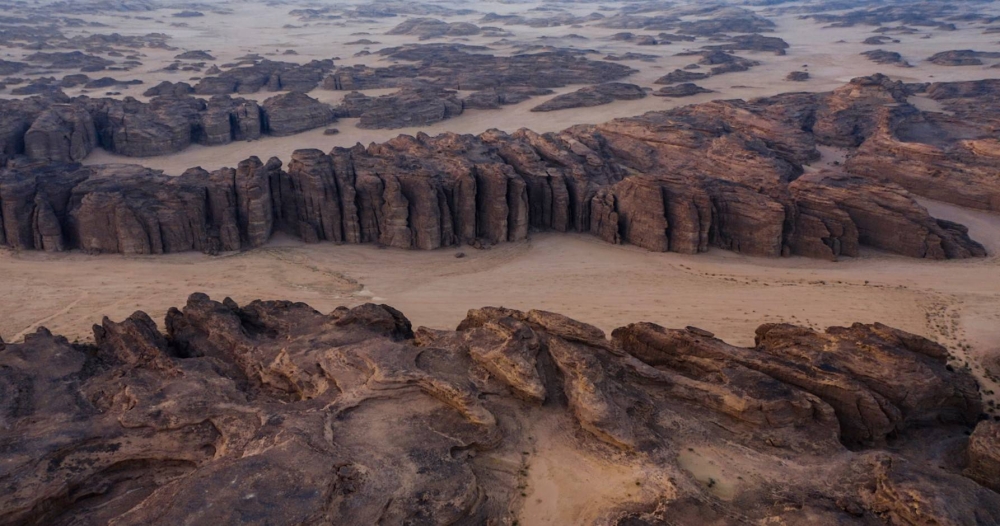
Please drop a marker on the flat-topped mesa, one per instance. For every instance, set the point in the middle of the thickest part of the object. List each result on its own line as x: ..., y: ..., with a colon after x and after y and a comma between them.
x: 726, y: 174
x: 275, y: 410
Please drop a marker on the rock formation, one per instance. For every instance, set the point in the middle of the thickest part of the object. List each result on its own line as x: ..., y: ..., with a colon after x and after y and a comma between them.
x: 428, y: 28
x: 686, y: 89
x: 462, y: 67
x: 494, y: 98
x: 63, y: 133
x: 753, y: 42
x: 944, y: 157
x: 725, y: 174
x: 679, y: 75
x: 406, y: 108
x: 596, y: 95
x: 277, y: 412
x: 881, y: 56
x: 260, y: 74
x: 963, y: 57
x: 295, y: 112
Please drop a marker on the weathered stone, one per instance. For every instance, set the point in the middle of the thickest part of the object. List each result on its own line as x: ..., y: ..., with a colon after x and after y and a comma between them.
x: 276, y: 411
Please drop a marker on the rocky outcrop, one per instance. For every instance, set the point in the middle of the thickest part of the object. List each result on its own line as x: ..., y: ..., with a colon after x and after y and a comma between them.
x: 727, y: 174
x: 136, y: 129
x: 949, y: 158
x: 723, y: 62
x: 169, y: 89
x: 869, y: 397
x: 753, y: 42
x: 276, y: 411
x: 133, y: 210
x: 427, y: 28
x: 687, y: 89
x: 881, y: 216
x: 269, y: 74
x: 70, y: 60
x: 195, y: 55
x: 462, y: 67
x: 494, y: 98
x: 597, y: 95
x: 881, y: 56
x: 724, y: 19
x: 679, y: 75
x: 984, y: 455
x: 293, y: 113
x: 225, y: 120
x: 61, y: 134
x: 409, y: 107
x: 963, y: 57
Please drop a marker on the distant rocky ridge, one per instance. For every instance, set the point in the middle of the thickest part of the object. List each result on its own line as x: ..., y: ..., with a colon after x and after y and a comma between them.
x: 275, y: 411
x: 726, y: 174
x: 463, y: 67
x: 595, y: 95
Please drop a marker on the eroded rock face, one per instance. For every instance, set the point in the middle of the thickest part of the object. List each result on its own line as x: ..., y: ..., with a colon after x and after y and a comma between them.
x: 984, y: 455
x: 593, y: 96
x: 962, y: 57
x: 266, y: 74
x: 883, y: 216
x: 293, y: 113
x: 427, y: 28
x: 687, y: 89
x: 949, y: 158
x: 728, y: 174
x: 462, y: 67
x: 409, y: 107
x: 277, y: 411
x: 63, y: 133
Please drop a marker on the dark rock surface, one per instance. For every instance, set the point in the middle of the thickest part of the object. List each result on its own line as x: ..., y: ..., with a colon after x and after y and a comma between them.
x: 266, y: 74
x: 275, y: 411
x: 9, y: 67
x: 686, y: 89
x: 427, y: 28
x: 727, y: 20
x: 293, y: 112
x: 63, y: 133
x: 726, y: 174
x: 195, y: 55
x: 797, y: 76
x: 679, y: 75
x: 881, y: 56
x: 596, y: 95
x: 984, y: 455
x: 461, y: 67
x: 963, y: 57
x: 494, y: 98
x: 70, y: 60
x: 754, y: 42
x: 406, y: 108
x: 169, y: 89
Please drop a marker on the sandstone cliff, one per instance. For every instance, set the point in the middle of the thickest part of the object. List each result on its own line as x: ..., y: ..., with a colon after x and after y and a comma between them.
x: 726, y: 174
